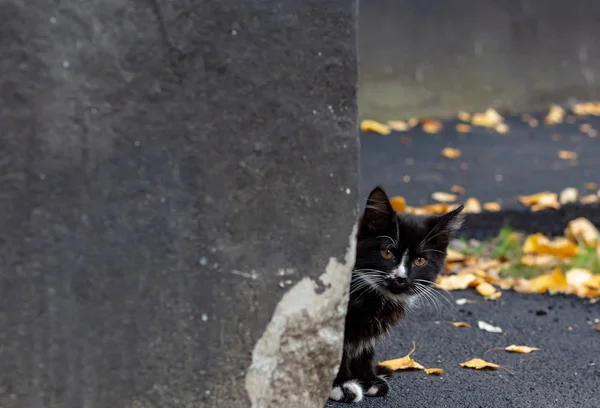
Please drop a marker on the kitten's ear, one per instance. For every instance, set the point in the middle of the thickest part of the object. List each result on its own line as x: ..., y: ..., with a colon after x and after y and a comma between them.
x: 378, y: 211
x: 448, y: 225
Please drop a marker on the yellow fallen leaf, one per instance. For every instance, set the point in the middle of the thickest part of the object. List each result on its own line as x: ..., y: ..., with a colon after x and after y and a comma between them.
x: 398, y: 203
x: 589, y: 199
x: 520, y: 349
x: 597, y: 327
x: 546, y: 260
x: 578, y: 277
x: 540, y: 244
x: 374, y: 126
x: 486, y: 289
x: 455, y: 282
x: 472, y: 205
x: 460, y: 324
x: 451, y: 153
x: 588, y: 130
x: 568, y: 195
x: 440, y: 208
x: 491, y: 207
x: 434, y: 371
x: 545, y: 198
x: 399, y: 125
x: 502, y: 128
x: 402, y: 363
x: 444, y: 197
x: 551, y: 282
x: 590, y: 186
x: 582, y: 231
x: 479, y: 364
x: 457, y: 189
x: 555, y: 115
x: 567, y: 155
x: 431, y: 125
x: 464, y: 116
x: 490, y: 118
x: 586, y: 108
x: 454, y: 256
x: 463, y: 128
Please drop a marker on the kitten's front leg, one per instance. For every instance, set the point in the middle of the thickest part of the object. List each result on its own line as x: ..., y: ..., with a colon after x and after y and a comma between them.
x: 345, y: 389
x: 374, y: 379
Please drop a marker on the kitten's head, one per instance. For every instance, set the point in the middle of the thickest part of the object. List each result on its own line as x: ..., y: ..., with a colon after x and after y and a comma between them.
x: 399, y: 253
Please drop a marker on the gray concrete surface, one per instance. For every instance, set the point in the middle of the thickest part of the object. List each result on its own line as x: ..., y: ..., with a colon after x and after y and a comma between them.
x: 564, y: 373
x: 434, y: 58
x: 178, y: 192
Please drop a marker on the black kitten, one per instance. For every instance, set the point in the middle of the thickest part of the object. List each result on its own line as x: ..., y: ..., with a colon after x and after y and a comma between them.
x: 397, y: 256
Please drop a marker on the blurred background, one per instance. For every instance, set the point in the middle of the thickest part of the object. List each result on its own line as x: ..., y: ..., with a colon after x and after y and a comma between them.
x: 487, y: 100
x: 434, y: 58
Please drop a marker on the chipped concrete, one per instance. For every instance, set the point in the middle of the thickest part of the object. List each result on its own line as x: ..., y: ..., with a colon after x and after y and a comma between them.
x: 306, y: 326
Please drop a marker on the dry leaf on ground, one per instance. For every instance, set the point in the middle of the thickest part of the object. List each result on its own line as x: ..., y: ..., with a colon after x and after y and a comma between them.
x: 488, y: 291
x: 398, y: 203
x: 488, y: 327
x: 434, y: 371
x: 402, y: 363
x: 492, y: 207
x: 568, y: 195
x: 457, y: 189
x: 399, y: 125
x: 540, y: 244
x: 589, y: 199
x: 472, y: 205
x: 540, y: 201
x: 597, y: 327
x: 464, y: 116
x: 520, y: 349
x: 586, y: 108
x: 463, y: 128
x: 590, y: 186
x: 454, y: 256
x: 581, y: 230
x: 368, y: 125
x: 444, y: 197
x: 460, y: 324
x: 539, y: 260
x: 431, y: 125
x: 551, y: 282
x: 455, y: 282
x: 567, y: 155
x: 451, y: 153
x: 555, y: 115
x: 479, y: 364
x: 490, y: 118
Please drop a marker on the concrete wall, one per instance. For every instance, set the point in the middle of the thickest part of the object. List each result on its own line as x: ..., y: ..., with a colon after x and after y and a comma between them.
x: 178, y: 192
x: 434, y: 58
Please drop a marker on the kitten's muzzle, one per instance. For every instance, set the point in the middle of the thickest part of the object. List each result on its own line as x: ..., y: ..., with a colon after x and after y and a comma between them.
x: 398, y: 286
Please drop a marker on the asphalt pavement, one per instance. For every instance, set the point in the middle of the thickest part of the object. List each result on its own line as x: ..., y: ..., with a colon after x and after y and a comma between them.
x: 564, y: 373
x: 493, y: 167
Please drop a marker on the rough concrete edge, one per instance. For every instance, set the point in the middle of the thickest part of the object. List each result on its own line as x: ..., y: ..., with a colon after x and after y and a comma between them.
x: 325, y: 312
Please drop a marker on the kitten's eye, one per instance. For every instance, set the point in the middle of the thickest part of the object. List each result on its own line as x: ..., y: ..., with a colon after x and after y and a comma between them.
x: 419, y: 261
x: 387, y: 254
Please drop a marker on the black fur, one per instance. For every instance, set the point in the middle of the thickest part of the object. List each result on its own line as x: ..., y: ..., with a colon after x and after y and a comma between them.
x: 379, y: 300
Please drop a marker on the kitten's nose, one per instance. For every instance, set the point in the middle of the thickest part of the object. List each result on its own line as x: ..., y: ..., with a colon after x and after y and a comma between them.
x: 398, y: 285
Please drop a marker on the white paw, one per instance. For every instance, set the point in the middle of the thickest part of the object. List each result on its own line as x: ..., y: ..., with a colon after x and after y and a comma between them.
x: 350, y: 391
x: 353, y: 387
